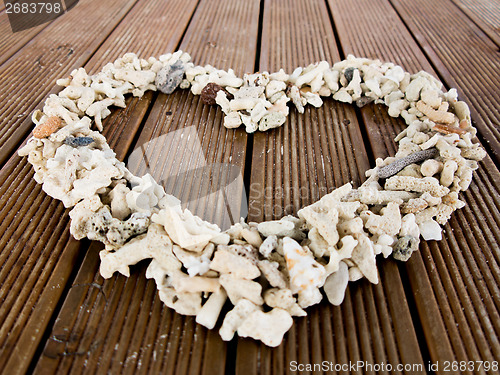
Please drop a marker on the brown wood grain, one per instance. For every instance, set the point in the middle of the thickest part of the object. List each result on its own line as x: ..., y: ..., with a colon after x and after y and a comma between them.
x: 168, y: 343
x: 58, y: 315
x: 485, y: 14
x: 295, y: 165
x: 454, y: 327
x: 30, y: 73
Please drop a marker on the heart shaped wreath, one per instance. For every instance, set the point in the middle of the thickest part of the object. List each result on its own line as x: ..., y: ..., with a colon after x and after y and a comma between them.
x: 272, y: 270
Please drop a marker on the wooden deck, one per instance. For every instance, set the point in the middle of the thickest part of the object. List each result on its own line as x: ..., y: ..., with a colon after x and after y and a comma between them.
x: 57, y: 315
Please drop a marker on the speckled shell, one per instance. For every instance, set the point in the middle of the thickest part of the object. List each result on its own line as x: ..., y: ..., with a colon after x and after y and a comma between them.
x: 170, y: 77
x: 398, y: 165
x: 78, y: 141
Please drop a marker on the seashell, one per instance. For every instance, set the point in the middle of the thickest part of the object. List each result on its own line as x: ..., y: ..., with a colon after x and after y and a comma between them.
x: 78, y: 141
x: 45, y: 129
x: 168, y: 78
x: 398, y: 165
x: 209, y: 93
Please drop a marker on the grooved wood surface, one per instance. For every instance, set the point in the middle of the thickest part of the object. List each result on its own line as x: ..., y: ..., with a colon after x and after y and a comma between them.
x: 11, y: 42
x: 467, y: 58
x: 47, y: 57
x: 486, y: 14
x: 58, y: 315
x: 447, y: 291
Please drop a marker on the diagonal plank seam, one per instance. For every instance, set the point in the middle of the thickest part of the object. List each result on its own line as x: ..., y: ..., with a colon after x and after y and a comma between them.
x: 391, y: 148
x: 479, y: 23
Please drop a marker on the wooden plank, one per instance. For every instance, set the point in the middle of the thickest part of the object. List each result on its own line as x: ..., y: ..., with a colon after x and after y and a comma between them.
x: 65, y: 44
x: 38, y: 255
x: 11, y: 42
x: 149, y: 29
x: 464, y: 56
x: 295, y: 165
x: 25, y: 316
x: 485, y: 14
x: 441, y: 297
x: 156, y: 339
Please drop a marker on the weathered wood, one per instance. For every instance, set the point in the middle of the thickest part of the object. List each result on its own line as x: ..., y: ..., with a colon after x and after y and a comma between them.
x: 169, y: 343
x: 300, y: 162
x: 440, y: 297
x: 465, y: 58
x: 65, y: 44
x: 120, y: 325
x: 31, y: 250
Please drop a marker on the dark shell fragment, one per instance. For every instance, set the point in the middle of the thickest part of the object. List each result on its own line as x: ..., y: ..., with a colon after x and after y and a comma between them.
x: 209, y: 93
x: 398, y: 165
x: 348, y: 74
x: 78, y: 141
